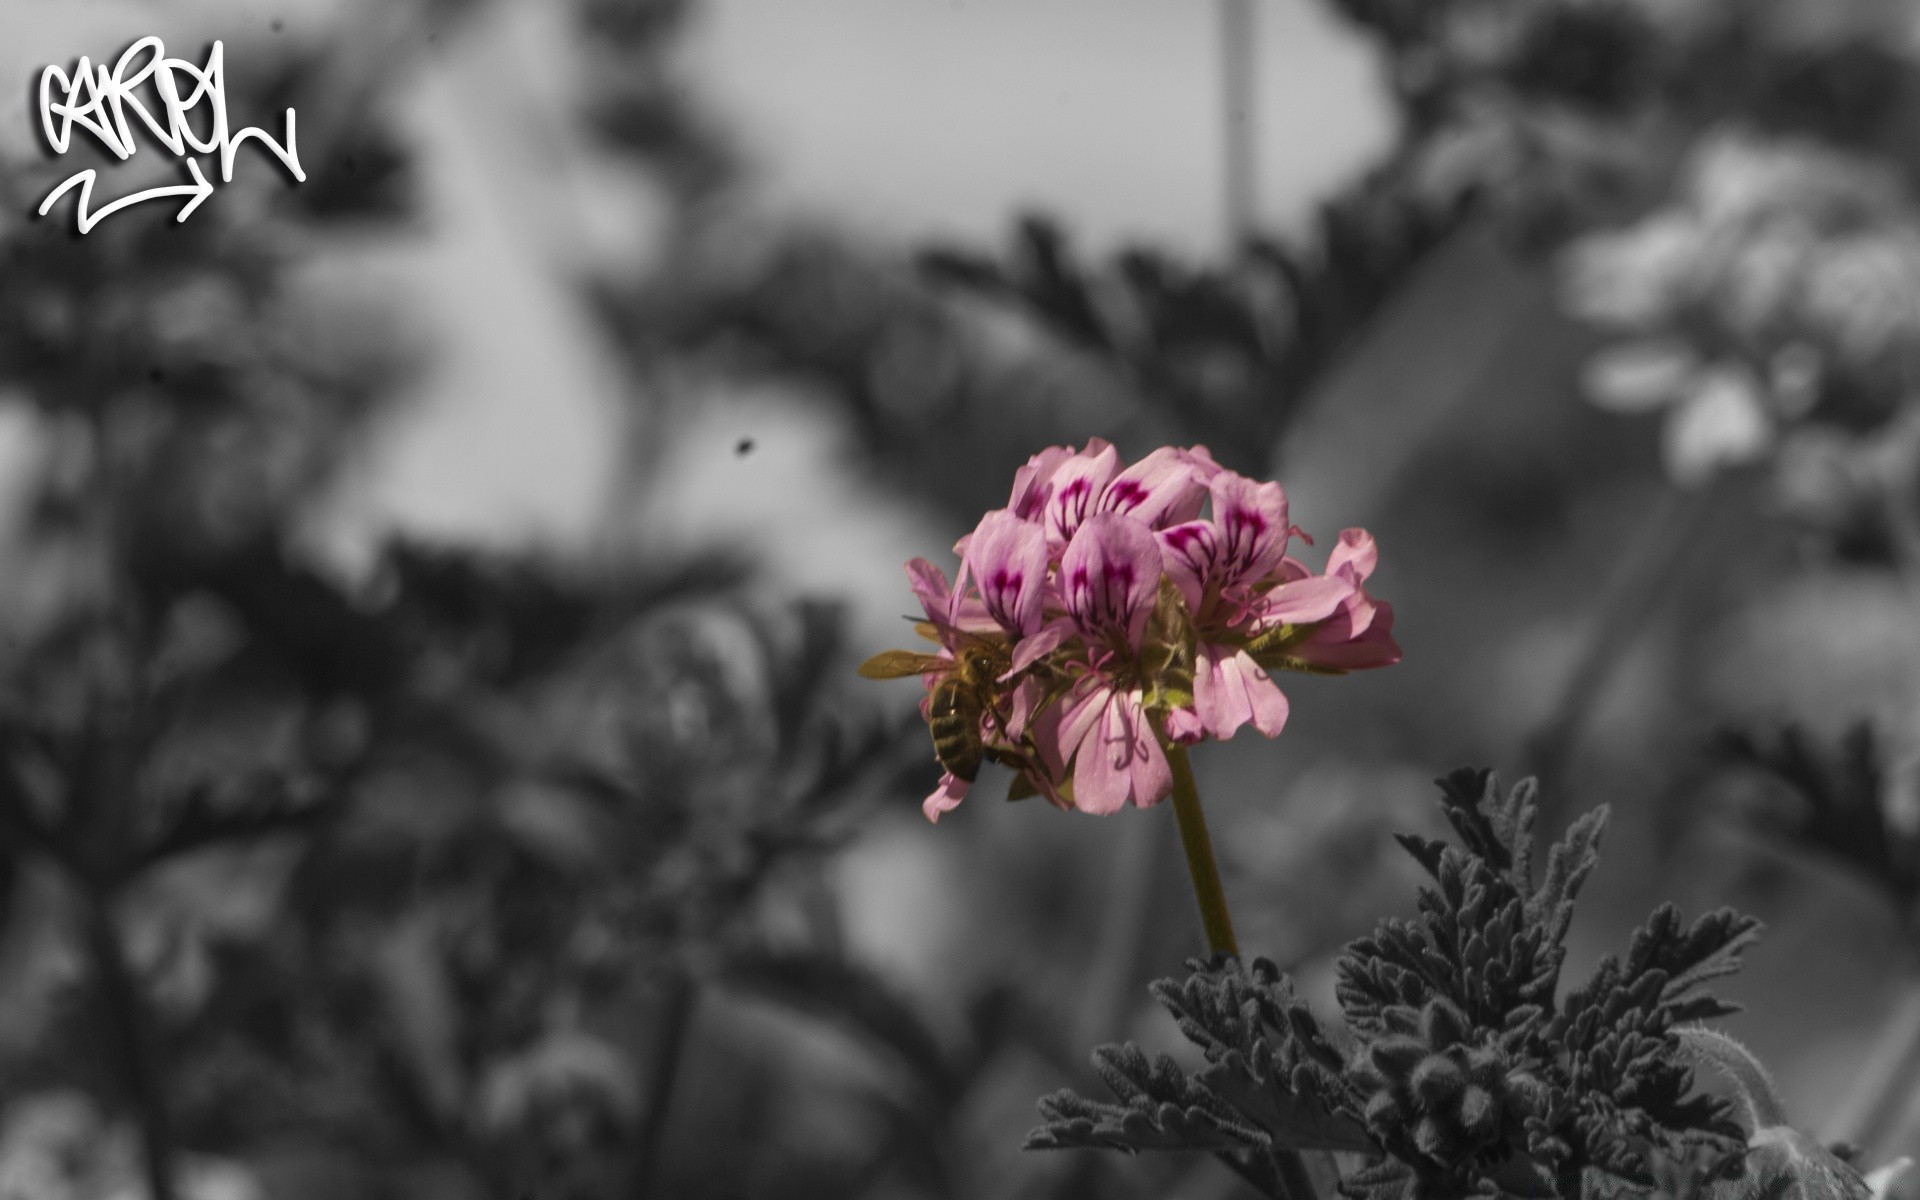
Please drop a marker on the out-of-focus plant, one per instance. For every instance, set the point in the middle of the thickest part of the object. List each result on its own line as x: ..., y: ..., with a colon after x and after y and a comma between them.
x: 1226, y: 354
x: 405, y: 880
x: 1780, y: 290
x: 1845, y: 800
x: 1728, y: 184
x: 1850, y: 800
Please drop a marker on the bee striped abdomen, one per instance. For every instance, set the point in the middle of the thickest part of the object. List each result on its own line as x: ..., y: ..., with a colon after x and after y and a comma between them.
x: 953, y: 718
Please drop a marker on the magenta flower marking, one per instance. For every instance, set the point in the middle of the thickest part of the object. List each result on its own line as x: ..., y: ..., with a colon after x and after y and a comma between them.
x: 1077, y: 484
x: 1110, y: 577
x: 1165, y: 487
x: 1252, y: 520
x: 1033, y: 483
x: 1007, y: 558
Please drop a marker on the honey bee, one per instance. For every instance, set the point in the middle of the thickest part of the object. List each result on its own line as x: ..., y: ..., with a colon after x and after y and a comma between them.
x: 960, y: 697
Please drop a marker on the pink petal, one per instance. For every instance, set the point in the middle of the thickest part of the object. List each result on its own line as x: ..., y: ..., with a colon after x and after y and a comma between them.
x: 1291, y: 569
x: 1337, y: 644
x: 1305, y: 600
x: 1033, y: 483
x: 1185, y: 727
x: 1044, y: 642
x: 944, y: 607
x: 1110, y: 576
x: 946, y: 797
x: 1073, y: 719
x: 1008, y: 560
x: 1230, y: 690
x: 1165, y: 487
x: 1187, y: 552
x: 1057, y: 730
x: 1120, y: 759
x: 1077, y: 484
x: 1027, y: 696
x: 1251, y: 519
x: 1355, y: 552
x: 929, y: 583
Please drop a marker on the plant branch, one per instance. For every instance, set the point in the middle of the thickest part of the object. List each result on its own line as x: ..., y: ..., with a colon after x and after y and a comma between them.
x: 669, y: 1049
x: 139, y: 1055
x: 1634, y: 593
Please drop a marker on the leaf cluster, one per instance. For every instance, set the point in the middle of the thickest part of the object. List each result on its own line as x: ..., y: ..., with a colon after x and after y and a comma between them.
x: 1210, y: 348
x: 1459, y: 1066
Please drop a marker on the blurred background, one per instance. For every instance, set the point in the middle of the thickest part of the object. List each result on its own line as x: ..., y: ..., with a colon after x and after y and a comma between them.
x: 431, y: 763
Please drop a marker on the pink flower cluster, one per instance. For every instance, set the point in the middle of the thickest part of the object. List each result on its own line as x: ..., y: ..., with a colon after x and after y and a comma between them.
x: 1100, y: 617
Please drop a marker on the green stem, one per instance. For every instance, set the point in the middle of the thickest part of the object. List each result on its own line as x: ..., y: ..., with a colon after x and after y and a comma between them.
x: 1290, y: 1170
x: 1199, y: 848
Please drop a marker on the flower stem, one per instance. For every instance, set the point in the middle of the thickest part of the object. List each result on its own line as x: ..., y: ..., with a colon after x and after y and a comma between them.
x: 1290, y: 1171
x: 1199, y: 848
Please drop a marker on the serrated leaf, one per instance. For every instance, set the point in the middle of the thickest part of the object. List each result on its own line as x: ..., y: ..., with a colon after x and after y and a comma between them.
x: 1290, y: 1120
x: 1161, y: 1108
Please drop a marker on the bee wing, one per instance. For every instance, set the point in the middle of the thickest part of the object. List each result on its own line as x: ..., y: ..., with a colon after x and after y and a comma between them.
x: 948, y: 634
x: 898, y: 664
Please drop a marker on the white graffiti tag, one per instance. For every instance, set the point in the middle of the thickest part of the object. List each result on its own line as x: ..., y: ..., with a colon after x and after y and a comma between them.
x: 99, y: 101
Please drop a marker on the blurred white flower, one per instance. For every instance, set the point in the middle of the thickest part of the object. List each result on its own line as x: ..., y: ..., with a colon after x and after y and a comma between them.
x: 1720, y: 415
x: 1633, y: 276
x: 1779, y: 270
x: 1640, y: 376
x: 1720, y: 422
x: 1863, y: 291
x: 1749, y: 278
x: 1737, y: 176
